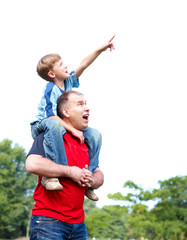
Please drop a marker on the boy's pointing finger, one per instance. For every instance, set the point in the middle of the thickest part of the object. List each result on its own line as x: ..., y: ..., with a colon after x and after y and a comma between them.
x: 112, y: 38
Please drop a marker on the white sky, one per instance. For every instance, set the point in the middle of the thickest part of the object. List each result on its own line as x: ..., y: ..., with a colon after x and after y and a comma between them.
x: 137, y: 94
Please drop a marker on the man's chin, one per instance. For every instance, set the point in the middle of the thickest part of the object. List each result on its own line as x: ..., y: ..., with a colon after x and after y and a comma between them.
x: 85, y: 126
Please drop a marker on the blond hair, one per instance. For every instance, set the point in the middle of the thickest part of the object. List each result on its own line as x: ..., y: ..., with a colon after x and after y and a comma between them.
x: 46, y: 64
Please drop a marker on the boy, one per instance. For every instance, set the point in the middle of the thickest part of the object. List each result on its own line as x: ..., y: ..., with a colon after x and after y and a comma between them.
x: 52, y: 68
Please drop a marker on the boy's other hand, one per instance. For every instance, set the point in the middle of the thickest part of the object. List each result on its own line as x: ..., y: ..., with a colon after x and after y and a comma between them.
x: 78, y: 134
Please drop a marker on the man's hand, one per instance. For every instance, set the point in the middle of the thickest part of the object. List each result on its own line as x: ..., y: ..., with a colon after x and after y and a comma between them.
x: 80, y: 176
x: 94, y: 180
x: 88, y: 179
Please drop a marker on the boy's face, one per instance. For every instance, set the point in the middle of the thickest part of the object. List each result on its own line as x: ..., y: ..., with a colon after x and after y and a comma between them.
x: 60, y: 70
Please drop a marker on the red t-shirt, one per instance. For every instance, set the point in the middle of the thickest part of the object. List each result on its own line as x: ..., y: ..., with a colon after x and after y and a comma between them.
x: 65, y: 205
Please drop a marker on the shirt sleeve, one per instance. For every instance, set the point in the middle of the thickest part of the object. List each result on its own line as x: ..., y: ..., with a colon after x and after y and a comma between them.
x: 51, y: 100
x: 37, y: 146
x: 72, y: 82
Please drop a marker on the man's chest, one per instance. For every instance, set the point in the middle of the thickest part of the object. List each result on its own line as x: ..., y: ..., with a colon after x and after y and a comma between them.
x: 77, y: 154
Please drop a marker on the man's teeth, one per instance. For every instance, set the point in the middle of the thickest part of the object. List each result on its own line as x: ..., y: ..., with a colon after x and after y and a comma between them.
x: 85, y: 116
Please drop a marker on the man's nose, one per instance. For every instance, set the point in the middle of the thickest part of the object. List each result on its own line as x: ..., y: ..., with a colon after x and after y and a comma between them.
x: 87, y: 108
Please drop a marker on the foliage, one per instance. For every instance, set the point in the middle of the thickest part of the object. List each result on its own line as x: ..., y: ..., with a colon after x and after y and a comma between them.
x: 16, y: 186
x: 168, y: 218
x: 108, y: 222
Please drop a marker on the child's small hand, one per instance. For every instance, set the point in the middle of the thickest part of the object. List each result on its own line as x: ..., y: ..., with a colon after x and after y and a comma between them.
x: 107, y: 45
x: 78, y: 134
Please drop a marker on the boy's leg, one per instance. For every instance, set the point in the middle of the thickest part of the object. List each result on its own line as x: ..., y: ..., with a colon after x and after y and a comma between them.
x: 93, y: 139
x: 53, y: 140
x: 54, y: 149
x: 35, y: 130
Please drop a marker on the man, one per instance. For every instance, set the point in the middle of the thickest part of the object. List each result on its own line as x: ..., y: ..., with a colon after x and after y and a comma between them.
x: 59, y: 214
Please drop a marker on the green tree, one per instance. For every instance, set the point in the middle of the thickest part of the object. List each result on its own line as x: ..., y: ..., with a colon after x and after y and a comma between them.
x: 171, y: 209
x: 107, y: 222
x: 88, y: 206
x: 167, y: 219
x: 142, y: 222
x: 16, y: 189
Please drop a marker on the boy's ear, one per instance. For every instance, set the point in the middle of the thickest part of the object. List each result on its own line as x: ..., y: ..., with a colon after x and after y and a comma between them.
x: 51, y: 74
x: 65, y: 112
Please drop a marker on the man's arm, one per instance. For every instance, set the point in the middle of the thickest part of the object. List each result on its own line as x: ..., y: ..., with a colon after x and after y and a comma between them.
x: 91, y: 58
x: 98, y: 179
x: 41, y: 166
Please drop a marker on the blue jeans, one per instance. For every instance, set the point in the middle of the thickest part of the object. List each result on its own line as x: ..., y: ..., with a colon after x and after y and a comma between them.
x: 93, y: 139
x: 54, y: 145
x: 45, y: 228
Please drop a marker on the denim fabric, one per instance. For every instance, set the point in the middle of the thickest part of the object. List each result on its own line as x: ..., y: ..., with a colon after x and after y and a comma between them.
x: 53, y: 139
x: 93, y: 139
x: 54, y: 145
x: 45, y: 228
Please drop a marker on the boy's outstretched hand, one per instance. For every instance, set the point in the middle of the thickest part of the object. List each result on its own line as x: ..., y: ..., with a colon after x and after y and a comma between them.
x: 107, y: 45
x: 91, y: 57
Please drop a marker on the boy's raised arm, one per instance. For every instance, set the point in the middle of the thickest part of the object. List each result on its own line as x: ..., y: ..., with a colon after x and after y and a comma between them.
x: 91, y: 57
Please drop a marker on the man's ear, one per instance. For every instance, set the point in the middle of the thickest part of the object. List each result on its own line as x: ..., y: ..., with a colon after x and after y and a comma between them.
x: 65, y: 112
x: 51, y: 74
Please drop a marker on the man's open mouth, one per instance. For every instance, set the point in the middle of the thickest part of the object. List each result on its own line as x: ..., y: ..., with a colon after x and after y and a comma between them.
x: 86, y: 116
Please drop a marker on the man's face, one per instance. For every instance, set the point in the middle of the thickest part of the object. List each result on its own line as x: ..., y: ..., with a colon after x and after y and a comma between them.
x: 78, y: 111
x: 60, y: 70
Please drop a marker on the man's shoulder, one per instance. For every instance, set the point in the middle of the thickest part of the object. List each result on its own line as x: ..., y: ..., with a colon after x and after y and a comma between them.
x: 37, y: 147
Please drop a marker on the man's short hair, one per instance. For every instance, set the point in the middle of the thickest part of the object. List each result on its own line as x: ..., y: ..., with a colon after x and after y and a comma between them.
x: 63, y: 100
x: 46, y: 64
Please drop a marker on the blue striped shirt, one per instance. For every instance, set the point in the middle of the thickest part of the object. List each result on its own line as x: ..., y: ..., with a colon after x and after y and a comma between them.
x: 48, y: 104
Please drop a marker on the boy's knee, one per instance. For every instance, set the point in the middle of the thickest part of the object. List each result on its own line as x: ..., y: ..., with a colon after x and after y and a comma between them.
x: 99, y: 136
x: 56, y: 123
x: 53, y: 123
x: 96, y: 132
x: 96, y: 135
x: 55, y: 126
